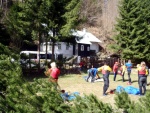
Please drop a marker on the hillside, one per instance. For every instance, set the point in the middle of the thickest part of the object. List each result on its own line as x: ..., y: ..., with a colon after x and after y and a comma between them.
x: 100, y: 20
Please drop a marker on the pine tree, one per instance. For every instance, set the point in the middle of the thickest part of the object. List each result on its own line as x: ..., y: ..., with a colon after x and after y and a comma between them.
x: 123, y: 101
x: 90, y: 104
x: 18, y: 95
x: 58, y: 16
x: 16, y: 27
x: 145, y: 102
x: 132, y: 29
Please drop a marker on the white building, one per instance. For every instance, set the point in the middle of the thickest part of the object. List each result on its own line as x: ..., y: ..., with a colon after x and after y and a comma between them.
x: 85, y: 44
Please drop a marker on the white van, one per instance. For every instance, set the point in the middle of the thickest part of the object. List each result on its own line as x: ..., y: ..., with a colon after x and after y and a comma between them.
x: 34, y: 57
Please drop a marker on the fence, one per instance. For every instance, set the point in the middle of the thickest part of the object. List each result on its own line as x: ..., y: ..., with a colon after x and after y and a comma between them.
x: 74, y: 68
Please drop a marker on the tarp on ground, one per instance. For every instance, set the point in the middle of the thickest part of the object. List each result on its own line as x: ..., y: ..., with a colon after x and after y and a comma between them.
x: 97, y: 80
x: 68, y: 97
x: 128, y: 89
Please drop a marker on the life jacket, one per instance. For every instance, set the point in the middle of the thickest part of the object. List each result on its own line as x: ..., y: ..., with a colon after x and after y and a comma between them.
x: 115, y: 67
x: 142, y: 70
x: 105, y: 70
x: 54, y: 73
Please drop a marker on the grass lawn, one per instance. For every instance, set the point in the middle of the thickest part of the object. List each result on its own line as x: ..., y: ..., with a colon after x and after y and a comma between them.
x: 76, y: 83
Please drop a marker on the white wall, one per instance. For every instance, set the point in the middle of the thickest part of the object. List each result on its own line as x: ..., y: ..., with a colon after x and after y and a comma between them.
x: 66, y: 52
x: 94, y: 46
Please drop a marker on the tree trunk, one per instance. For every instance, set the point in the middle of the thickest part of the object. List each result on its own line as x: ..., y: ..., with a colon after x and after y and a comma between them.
x: 46, y: 49
x: 53, y: 48
x: 38, y: 56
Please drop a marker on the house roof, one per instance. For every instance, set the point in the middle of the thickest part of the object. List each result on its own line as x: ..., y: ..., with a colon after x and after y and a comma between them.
x: 85, y: 37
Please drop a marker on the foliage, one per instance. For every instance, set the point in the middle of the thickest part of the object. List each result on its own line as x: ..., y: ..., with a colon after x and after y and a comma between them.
x: 123, y: 101
x: 42, y: 20
x: 71, y: 17
x: 145, y: 102
x: 18, y: 95
x: 4, y: 37
x: 90, y: 104
x: 16, y: 26
x: 132, y: 30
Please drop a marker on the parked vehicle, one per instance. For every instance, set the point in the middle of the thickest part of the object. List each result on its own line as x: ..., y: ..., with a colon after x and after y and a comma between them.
x: 31, y: 58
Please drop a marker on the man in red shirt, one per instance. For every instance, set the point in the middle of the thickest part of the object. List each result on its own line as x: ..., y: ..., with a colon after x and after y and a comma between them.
x: 54, y: 72
x: 115, y: 70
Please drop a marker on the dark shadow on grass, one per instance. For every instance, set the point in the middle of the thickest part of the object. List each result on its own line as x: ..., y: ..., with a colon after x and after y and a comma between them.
x: 148, y: 84
x: 134, y: 81
x: 125, y: 80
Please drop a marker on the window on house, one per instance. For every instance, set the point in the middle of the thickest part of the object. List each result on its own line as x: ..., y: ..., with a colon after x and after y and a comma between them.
x: 59, y: 46
x: 82, y: 47
x: 88, y: 48
x: 50, y: 48
x: 67, y: 46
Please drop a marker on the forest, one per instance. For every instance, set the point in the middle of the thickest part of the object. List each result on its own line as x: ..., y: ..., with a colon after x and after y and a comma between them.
x: 125, y: 32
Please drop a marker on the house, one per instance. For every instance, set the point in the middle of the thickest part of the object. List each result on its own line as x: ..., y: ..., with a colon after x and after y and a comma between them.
x: 86, y: 45
x: 61, y: 49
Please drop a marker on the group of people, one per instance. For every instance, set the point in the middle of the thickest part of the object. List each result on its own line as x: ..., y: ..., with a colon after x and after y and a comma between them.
x: 118, y: 68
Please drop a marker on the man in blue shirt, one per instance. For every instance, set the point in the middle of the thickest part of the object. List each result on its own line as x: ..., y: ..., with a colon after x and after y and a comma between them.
x: 93, y: 72
x: 129, y: 68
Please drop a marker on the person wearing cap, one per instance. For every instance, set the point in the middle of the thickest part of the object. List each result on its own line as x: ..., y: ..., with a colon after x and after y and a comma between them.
x: 129, y: 68
x: 115, y: 70
x: 93, y: 73
x: 142, y: 77
x: 105, y: 69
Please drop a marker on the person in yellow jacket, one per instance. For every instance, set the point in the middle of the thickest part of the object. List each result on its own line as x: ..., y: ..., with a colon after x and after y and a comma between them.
x: 105, y: 70
x: 122, y: 69
x: 142, y: 77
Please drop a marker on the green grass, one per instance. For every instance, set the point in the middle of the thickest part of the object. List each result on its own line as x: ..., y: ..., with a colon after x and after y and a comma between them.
x: 75, y: 83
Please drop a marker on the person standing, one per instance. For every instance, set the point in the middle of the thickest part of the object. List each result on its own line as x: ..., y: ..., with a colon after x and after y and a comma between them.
x: 105, y: 69
x: 122, y: 68
x: 138, y: 65
x: 129, y: 68
x: 142, y: 80
x: 53, y: 73
x: 93, y: 73
x: 115, y: 70
x: 81, y: 64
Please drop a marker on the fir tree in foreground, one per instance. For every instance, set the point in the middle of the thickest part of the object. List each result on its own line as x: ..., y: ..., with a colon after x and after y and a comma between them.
x: 124, y: 103
x: 18, y: 95
x: 90, y: 104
